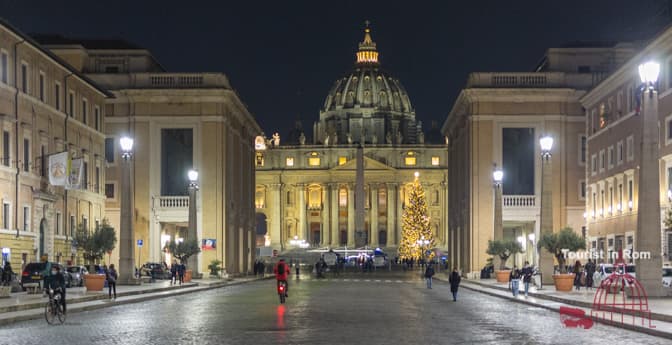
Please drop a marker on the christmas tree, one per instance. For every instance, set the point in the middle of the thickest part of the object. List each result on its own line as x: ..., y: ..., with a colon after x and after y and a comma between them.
x: 416, y: 234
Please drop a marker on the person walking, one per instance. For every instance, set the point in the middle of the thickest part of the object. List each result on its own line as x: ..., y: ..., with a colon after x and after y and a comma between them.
x: 515, y: 281
x: 180, y: 272
x: 577, y: 275
x: 173, y: 273
x: 112, y: 281
x: 527, y: 273
x: 454, y: 280
x: 590, y: 271
x: 429, y: 273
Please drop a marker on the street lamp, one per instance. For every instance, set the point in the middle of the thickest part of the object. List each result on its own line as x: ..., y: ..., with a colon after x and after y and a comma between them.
x: 497, y: 177
x: 193, y: 230
x: 532, y: 237
x: 648, y: 199
x: 422, y: 243
x: 546, y: 214
x: 126, y: 249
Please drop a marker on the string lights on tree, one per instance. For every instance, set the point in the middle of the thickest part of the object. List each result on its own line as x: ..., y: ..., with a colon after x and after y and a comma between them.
x: 415, y: 224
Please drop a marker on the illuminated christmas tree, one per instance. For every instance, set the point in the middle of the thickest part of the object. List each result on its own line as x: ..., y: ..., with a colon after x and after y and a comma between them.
x: 416, y: 234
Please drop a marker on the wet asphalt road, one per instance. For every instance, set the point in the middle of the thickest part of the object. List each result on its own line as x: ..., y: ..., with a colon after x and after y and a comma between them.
x: 359, y: 308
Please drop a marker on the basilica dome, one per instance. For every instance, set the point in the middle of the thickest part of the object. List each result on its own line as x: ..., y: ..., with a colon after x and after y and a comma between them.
x: 367, y: 105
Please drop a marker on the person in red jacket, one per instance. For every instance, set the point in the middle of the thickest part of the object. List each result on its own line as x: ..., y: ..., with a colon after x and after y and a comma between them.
x: 281, y: 271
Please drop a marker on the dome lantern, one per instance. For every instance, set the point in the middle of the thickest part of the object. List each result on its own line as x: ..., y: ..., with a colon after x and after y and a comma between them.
x: 367, y: 53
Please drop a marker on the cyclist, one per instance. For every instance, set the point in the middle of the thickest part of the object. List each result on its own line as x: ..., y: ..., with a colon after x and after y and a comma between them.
x: 57, y: 282
x: 281, y: 271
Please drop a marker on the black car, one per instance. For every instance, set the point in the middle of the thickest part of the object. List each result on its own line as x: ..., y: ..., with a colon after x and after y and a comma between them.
x: 32, y: 275
x: 156, y: 270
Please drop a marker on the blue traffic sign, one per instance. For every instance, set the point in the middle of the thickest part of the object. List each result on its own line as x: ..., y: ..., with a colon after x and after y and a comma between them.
x: 139, y: 243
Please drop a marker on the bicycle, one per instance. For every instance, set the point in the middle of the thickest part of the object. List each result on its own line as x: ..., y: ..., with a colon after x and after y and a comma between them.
x: 54, y: 308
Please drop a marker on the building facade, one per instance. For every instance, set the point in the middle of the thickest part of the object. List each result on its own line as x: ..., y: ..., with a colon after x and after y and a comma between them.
x: 46, y: 107
x: 179, y: 121
x: 306, y: 192
x: 497, y: 120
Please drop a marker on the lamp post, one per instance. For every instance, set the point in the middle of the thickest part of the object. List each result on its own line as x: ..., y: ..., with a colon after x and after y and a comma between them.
x: 422, y: 243
x: 532, y: 237
x: 648, y: 202
x: 126, y: 249
x: 192, y: 233
x: 546, y: 216
x: 497, y: 176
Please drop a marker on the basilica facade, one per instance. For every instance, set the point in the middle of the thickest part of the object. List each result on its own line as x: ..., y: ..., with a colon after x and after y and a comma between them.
x: 305, y: 192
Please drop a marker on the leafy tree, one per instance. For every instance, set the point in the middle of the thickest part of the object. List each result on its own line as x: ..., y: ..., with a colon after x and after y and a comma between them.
x: 415, y: 225
x: 215, y: 267
x: 565, y: 239
x: 503, y: 249
x: 94, y: 244
x: 183, y: 250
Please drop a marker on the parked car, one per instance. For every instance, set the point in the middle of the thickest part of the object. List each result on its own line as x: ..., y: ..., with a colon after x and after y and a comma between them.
x: 667, y: 276
x: 32, y: 275
x: 77, y: 274
x: 156, y: 269
x: 607, y: 269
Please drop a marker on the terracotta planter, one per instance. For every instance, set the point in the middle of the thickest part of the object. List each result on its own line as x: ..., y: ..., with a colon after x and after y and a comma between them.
x: 94, y: 282
x: 503, y: 276
x: 187, y: 276
x: 564, y: 282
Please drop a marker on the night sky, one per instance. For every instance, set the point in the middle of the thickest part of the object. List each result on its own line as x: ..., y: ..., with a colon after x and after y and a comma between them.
x: 283, y: 56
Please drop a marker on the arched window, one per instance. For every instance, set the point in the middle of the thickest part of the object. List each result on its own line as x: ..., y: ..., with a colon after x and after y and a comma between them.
x: 315, y: 197
x: 260, y: 197
x: 343, y: 197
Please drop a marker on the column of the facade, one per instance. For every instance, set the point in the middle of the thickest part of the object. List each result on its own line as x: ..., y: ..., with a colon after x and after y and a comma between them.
x: 351, y: 215
x: 324, y: 213
x: 333, y: 206
x: 302, y: 229
x: 373, y: 216
x: 276, y: 218
x: 399, y: 202
x: 392, y: 239
x: 443, y: 202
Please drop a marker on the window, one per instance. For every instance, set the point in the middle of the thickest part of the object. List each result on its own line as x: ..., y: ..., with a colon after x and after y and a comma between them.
x: 409, y: 160
x: 3, y: 67
x: 619, y: 206
x: 26, y: 218
x: 342, y: 160
x: 109, y: 190
x: 85, y: 223
x: 582, y: 190
x: 593, y: 164
x: 59, y: 227
x: 41, y: 87
x: 85, y: 176
x: 289, y: 161
x: 435, y: 160
x: 601, y: 160
x: 71, y: 104
x: 630, y: 194
x: 583, y: 69
x: 619, y: 153
x: 85, y: 111
x: 109, y: 150
x: 342, y: 197
x: 24, y: 78
x: 594, y: 205
x: 72, y: 225
x: 43, y: 161
x: 26, y: 155
x: 610, y: 157
x: 629, y: 146
x: 668, y: 130
x: 5, y: 215
x: 582, y: 150
x: 314, y: 160
x: 631, y: 96
x: 96, y: 118
x: 669, y: 179
x: 259, y: 159
x: 57, y: 96
x: 611, y: 199
x: 5, y: 148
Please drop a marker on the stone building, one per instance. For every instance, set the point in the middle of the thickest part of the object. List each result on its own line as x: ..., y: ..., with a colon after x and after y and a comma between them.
x: 498, y: 119
x: 306, y: 192
x: 179, y: 121
x: 46, y: 107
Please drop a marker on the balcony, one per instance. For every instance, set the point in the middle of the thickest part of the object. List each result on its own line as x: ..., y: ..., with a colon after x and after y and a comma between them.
x: 171, y: 202
x: 162, y: 80
x: 539, y: 80
x: 519, y: 201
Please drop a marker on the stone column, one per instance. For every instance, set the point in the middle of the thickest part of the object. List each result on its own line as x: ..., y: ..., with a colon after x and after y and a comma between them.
x: 333, y: 205
x: 373, y: 216
x: 276, y: 218
x: 301, y: 226
x: 351, y: 215
x: 392, y: 239
x: 400, y: 212
x: 324, y: 213
x: 648, y: 199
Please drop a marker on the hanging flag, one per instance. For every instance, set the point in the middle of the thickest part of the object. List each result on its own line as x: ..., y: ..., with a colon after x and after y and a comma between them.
x: 58, y: 168
x: 75, y: 175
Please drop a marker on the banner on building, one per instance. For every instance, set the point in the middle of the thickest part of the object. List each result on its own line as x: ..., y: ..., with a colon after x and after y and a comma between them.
x: 58, y: 169
x: 75, y: 174
x: 209, y: 244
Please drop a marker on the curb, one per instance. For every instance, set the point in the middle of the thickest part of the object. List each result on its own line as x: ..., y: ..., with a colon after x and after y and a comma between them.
x: 142, y: 297
x: 649, y: 331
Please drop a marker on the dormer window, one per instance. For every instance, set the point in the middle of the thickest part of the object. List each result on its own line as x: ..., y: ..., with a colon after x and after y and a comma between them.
x: 314, y: 159
x: 410, y: 158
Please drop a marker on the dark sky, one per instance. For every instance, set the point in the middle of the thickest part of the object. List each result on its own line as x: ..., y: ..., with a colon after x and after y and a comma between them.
x: 283, y: 56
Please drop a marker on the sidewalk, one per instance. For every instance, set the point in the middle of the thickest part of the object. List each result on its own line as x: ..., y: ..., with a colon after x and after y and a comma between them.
x: 549, y: 298
x: 22, y: 306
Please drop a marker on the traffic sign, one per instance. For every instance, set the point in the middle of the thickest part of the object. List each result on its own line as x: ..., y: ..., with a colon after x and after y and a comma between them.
x: 139, y: 243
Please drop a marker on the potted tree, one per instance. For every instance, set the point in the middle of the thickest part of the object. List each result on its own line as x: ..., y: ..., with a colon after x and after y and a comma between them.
x: 94, y: 245
x: 183, y: 251
x: 556, y: 243
x: 215, y: 267
x: 503, y: 249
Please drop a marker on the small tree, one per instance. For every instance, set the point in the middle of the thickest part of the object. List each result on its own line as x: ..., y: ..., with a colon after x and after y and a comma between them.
x: 215, y: 267
x: 566, y: 239
x: 183, y: 250
x: 94, y: 244
x: 668, y: 218
x: 503, y: 249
